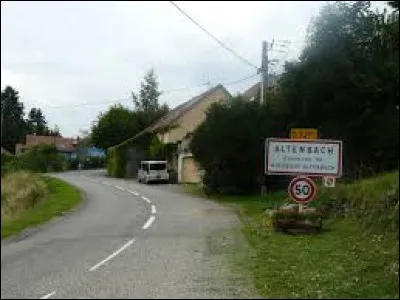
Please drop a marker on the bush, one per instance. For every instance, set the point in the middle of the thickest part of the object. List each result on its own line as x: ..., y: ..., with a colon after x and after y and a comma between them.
x: 73, y: 164
x: 291, y: 219
x: 42, y: 158
x: 20, y: 191
x: 7, y: 163
x: 373, y: 202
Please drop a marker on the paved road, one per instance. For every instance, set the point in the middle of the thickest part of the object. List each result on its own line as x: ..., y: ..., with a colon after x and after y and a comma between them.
x: 127, y: 240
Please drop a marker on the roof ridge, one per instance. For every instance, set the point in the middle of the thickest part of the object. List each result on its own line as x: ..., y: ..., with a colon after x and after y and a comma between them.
x: 190, y: 103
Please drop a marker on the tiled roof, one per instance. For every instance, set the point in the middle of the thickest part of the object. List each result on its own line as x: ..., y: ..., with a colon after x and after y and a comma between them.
x: 254, y: 90
x: 63, y: 144
x: 177, y: 112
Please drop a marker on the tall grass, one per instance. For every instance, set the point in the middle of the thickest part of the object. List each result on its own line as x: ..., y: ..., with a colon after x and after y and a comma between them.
x: 30, y: 200
x: 20, y: 191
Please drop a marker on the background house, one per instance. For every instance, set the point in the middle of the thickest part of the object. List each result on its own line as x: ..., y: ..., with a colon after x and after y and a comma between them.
x: 175, y: 128
x: 254, y: 92
x: 65, y: 146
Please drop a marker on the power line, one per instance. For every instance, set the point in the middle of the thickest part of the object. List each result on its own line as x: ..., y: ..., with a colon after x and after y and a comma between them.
x: 216, y: 39
x: 130, y: 99
x: 240, y: 80
x: 183, y: 89
x: 86, y: 104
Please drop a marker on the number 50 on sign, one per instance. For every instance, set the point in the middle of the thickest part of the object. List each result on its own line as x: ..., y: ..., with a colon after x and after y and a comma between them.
x: 302, y: 189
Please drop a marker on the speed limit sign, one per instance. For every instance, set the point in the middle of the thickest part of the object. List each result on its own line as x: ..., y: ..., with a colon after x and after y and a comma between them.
x: 302, y: 189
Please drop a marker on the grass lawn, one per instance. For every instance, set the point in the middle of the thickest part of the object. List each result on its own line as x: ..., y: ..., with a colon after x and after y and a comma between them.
x: 61, y: 198
x: 344, y: 261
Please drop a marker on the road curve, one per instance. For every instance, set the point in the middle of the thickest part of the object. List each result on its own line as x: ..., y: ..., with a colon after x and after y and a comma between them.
x: 128, y: 240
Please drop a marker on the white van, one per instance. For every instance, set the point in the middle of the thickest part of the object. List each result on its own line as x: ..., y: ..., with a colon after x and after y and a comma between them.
x: 153, y: 170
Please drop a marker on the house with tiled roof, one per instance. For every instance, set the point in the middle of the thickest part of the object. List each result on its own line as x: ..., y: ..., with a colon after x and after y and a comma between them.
x: 65, y: 146
x: 254, y: 92
x: 177, y: 126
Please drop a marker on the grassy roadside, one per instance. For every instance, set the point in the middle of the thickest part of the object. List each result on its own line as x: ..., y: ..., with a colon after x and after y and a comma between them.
x: 354, y: 257
x: 61, y: 198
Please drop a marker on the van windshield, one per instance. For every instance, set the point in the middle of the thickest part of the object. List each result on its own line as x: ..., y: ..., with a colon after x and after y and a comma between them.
x: 158, y: 166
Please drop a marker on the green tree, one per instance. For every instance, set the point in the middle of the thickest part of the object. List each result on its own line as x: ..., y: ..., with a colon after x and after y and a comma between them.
x: 147, y: 106
x: 114, y: 126
x: 148, y: 94
x: 394, y: 4
x: 346, y: 84
x: 36, y: 122
x: 53, y: 132
x: 13, y: 125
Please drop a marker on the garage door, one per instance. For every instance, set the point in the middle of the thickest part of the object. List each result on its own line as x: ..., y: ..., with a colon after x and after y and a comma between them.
x: 190, y: 170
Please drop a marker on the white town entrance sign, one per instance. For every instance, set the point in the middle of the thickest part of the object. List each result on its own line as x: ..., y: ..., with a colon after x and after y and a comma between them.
x: 303, y: 157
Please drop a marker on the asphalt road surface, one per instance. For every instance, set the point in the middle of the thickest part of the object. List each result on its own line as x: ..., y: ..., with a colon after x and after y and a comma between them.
x: 127, y: 240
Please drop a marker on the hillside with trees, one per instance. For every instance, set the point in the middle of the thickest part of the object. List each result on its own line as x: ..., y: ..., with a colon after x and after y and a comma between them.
x: 345, y: 84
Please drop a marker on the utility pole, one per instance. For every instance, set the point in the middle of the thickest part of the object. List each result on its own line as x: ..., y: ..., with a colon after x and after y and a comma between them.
x: 264, y: 84
x: 263, y: 69
x: 263, y: 80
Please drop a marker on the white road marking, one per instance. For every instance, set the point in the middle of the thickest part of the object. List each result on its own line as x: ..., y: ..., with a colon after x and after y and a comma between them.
x: 48, y: 295
x: 119, y: 187
x: 133, y: 193
x: 145, y: 199
x: 112, y: 255
x: 153, y: 209
x: 105, y: 182
x: 149, y: 222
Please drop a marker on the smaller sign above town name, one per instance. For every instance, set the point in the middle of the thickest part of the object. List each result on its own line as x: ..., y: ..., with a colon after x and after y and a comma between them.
x: 306, y: 157
x: 304, y: 133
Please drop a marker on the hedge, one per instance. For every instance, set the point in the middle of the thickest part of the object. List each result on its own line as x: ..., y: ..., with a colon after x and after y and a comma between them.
x: 116, y: 155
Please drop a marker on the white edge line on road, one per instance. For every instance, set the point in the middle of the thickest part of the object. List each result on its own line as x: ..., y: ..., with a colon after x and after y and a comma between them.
x: 48, y: 295
x: 112, y: 255
x: 119, y: 187
x: 149, y: 222
x: 153, y: 209
x: 133, y: 193
x: 145, y: 199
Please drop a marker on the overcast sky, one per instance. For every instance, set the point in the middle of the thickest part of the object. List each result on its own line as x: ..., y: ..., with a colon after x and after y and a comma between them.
x: 61, y: 54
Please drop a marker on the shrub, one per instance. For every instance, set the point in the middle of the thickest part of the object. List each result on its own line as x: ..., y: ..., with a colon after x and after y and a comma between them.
x: 373, y: 202
x: 73, y: 164
x: 42, y: 158
x: 20, y: 191
x: 291, y: 219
